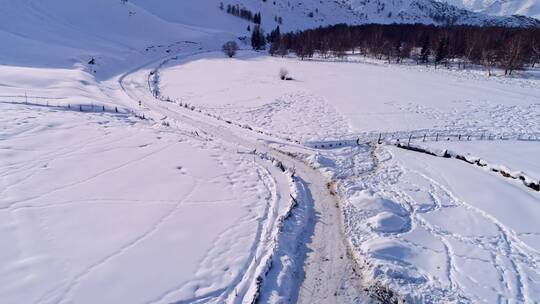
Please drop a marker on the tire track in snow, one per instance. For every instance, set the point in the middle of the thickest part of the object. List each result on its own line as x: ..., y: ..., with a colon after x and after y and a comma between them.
x: 33, y: 166
x: 266, y: 221
x: 155, y: 227
x: 85, y: 180
x: 241, y: 137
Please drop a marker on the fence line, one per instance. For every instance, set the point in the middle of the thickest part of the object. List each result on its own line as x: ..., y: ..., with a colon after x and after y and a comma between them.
x: 76, y: 107
x: 469, y: 135
x: 406, y: 137
x: 29, y: 97
x: 423, y: 136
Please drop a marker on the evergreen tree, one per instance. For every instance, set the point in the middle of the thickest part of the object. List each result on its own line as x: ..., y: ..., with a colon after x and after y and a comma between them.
x: 442, y: 50
x: 258, y: 41
x: 274, y: 35
x: 425, y: 51
x: 275, y: 45
x: 257, y: 18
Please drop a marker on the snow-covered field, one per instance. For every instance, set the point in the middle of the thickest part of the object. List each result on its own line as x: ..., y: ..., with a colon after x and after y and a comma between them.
x: 223, y: 205
x: 416, y: 223
x: 106, y: 208
x: 333, y: 99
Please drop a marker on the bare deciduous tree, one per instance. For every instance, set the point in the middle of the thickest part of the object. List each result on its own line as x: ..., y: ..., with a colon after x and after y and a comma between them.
x: 511, y: 57
x: 489, y: 59
x: 230, y: 48
x: 535, y: 51
x: 505, y: 48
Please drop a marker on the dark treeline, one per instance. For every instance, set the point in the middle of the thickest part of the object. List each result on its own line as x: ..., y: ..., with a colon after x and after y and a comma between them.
x: 242, y: 12
x: 506, y: 48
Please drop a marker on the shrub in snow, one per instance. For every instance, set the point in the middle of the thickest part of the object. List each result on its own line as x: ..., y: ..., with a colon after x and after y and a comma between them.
x: 283, y: 73
x: 230, y: 48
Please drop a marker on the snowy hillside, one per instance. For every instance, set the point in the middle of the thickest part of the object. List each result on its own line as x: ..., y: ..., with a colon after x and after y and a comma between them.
x: 430, y: 12
x: 65, y: 33
x: 299, y: 14
x: 529, y: 8
x: 61, y: 33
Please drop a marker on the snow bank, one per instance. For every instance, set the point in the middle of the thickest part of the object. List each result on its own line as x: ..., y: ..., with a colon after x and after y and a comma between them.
x: 512, y: 153
x: 282, y: 278
x: 432, y: 229
x: 515, y: 156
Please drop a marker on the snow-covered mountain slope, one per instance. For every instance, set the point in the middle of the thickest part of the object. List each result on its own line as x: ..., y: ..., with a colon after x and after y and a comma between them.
x: 430, y: 12
x: 65, y: 33
x: 299, y: 14
x: 529, y: 8
x: 60, y: 33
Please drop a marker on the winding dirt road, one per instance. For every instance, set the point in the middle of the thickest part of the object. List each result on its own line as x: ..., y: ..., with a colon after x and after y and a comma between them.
x: 328, y: 268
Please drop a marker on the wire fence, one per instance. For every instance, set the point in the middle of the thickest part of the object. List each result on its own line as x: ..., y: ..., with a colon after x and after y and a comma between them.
x: 454, y: 135
x: 408, y: 138
x: 403, y: 137
x: 64, y: 104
